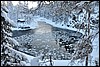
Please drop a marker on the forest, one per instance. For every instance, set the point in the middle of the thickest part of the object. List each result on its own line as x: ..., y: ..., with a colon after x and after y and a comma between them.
x: 49, y: 33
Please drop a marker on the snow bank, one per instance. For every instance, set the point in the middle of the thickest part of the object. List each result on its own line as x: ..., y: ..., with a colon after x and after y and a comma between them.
x: 35, y: 62
x: 95, y: 44
x: 21, y: 19
x: 63, y: 63
x: 23, y: 54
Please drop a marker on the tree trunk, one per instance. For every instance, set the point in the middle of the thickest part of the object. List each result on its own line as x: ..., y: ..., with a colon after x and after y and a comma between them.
x: 51, y: 61
x: 86, y: 60
x: 88, y: 10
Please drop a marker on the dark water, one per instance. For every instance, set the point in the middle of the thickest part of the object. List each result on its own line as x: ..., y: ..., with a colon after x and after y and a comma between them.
x: 17, y: 33
x: 69, y: 32
x: 44, y: 42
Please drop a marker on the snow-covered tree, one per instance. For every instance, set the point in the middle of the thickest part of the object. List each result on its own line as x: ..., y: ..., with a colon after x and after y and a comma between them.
x: 80, y: 14
x: 9, y: 56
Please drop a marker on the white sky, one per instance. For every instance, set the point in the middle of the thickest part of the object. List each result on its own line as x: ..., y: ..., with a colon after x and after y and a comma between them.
x: 15, y: 2
x: 30, y: 4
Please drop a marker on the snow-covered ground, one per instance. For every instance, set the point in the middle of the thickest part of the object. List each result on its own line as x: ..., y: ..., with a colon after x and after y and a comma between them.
x: 29, y: 58
x: 95, y: 43
x: 66, y: 63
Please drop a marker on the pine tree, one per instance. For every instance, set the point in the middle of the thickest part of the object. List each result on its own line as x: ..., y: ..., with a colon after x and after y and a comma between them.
x: 9, y: 56
x: 5, y: 31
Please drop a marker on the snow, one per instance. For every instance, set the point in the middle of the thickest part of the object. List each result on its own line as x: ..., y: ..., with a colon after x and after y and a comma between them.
x: 9, y: 34
x: 34, y: 61
x: 32, y: 25
x: 94, y: 15
x: 13, y: 40
x: 21, y: 19
x: 17, y: 29
x: 23, y: 54
x: 95, y: 43
x: 62, y: 63
x: 81, y: 3
x: 3, y: 8
x: 4, y: 14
